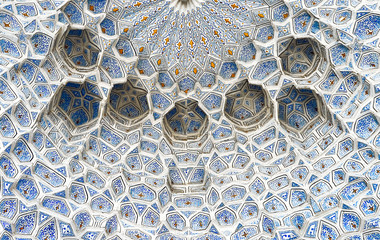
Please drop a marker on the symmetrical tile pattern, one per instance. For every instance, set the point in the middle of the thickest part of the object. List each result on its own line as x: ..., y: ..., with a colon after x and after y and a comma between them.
x: 189, y: 119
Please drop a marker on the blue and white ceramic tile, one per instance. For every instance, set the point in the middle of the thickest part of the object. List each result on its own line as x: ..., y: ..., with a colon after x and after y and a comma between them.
x: 189, y: 119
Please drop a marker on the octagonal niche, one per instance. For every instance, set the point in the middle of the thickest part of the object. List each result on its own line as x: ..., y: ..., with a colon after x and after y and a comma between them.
x: 128, y: 103
x: 79, y: 102
x: 185, y: 121
x: 247, y: 105
x: 301, y: 57
x: 79, y: 49
x: 300, y: 110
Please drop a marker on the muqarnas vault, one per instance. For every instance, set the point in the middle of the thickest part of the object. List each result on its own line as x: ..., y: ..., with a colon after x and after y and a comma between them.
x: 189, y: 119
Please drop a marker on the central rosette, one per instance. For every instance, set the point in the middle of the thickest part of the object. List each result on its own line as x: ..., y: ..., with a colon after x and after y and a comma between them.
x: 184, y: 5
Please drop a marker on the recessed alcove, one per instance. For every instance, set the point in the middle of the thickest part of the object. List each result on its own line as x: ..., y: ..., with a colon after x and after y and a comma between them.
x: 128, y: 103
x: 300, y: 110
x: 80, y: 102
x: 80, y: 49
x: 247, y: 106
x: 185, y: 121
x: 301, y: 57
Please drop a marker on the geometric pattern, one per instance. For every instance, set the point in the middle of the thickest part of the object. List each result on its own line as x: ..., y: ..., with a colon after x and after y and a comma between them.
x: 189, y: 119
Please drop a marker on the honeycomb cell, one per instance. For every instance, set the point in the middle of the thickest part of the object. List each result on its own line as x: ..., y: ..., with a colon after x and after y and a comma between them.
x: 185, y: 121
x: 79, y: 49
x: 200, y: 222
x: 366, y: 126
x: 301, y: 57
x: 367, y: 27
x: 248, y: 106
x: 128, y: 103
